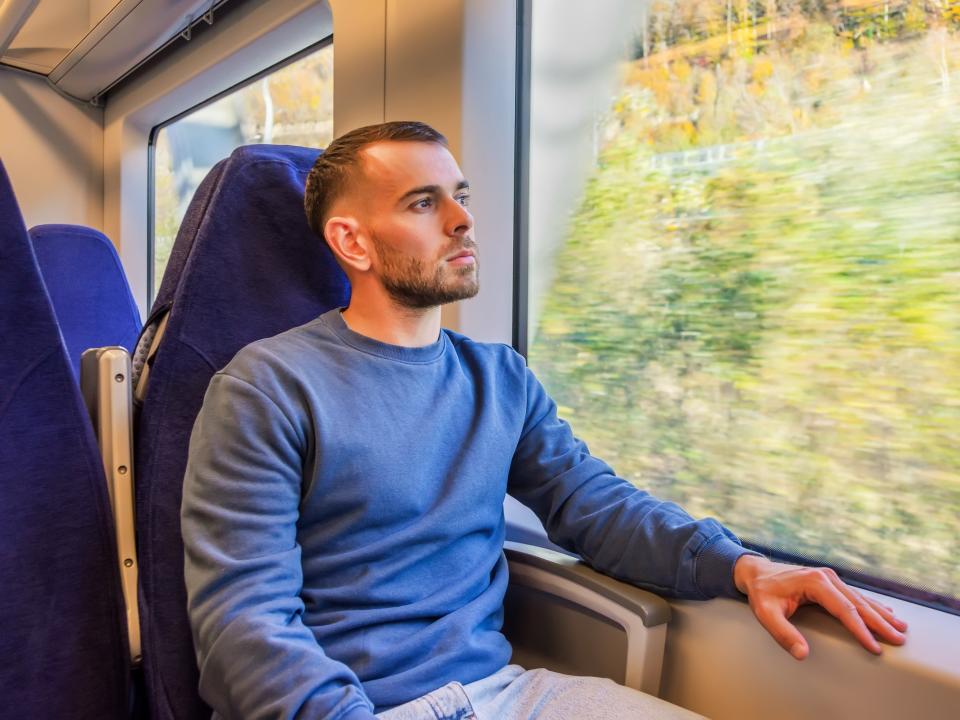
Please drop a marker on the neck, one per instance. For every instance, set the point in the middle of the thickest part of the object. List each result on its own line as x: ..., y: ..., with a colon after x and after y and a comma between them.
x: 380, y: 318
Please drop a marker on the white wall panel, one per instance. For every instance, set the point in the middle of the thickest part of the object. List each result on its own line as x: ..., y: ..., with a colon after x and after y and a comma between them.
x: 53, y: 151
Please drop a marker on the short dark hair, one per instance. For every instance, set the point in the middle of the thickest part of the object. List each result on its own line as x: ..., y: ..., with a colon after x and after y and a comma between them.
x: 337, y: 166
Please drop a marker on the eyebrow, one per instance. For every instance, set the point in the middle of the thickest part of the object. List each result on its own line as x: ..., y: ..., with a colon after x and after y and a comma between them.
x: 431, y: 190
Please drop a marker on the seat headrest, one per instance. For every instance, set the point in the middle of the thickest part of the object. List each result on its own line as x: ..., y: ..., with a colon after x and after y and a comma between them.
x: 245, y: 264
x: 88, y: 288
x: 25, y: 315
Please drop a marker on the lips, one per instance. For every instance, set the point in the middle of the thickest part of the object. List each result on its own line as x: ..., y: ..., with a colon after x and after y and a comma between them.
x: 465, y: 255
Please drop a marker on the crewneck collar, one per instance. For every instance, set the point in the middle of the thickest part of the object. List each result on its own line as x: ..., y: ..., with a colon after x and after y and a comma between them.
x: 417, y: 355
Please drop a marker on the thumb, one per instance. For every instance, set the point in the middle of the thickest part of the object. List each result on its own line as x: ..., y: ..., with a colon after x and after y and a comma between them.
x: 772, y: 617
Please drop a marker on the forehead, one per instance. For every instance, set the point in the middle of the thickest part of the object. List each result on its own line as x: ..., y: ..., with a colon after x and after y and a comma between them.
x: 397, y: 167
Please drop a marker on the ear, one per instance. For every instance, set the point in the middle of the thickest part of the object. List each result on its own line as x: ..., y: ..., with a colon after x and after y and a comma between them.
x: 348, y: 242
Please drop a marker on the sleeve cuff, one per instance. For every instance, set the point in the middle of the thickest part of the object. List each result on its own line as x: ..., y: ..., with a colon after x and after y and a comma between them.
x: 714, y: 570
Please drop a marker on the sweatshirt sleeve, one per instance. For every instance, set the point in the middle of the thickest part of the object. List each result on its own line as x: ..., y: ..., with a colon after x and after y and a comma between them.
x: 615, y: 527
x: 243, y: 575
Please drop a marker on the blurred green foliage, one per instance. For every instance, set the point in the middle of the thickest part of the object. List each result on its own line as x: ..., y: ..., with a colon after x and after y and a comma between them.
x: 756, y: 311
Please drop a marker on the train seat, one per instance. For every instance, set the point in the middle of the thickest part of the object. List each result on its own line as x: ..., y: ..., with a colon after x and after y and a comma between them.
x: 244, y: 266
x: 62, y: 630
x: 88, y: 288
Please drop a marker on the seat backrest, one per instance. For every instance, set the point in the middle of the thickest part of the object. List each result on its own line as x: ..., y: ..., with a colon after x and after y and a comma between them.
x: 88, y: 288
x: 62, y: 632
x: 244, y: 266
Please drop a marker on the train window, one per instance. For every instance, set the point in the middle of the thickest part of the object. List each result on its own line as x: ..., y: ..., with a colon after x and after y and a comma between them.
x: 749, y: 305
x: 291, y: 105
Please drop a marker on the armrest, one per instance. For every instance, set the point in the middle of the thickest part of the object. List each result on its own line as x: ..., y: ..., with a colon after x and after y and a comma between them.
x: 106, y: 386
x: 581, y: 596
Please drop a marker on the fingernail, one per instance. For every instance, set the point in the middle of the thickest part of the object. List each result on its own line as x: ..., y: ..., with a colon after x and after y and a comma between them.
x: 797, y: 651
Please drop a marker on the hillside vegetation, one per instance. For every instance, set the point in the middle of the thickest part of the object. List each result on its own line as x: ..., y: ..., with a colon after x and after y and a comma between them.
x: 756, y: 311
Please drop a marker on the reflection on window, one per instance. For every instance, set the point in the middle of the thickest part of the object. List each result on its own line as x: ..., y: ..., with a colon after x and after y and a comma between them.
x: 292, y: 106
x: 755, y: 307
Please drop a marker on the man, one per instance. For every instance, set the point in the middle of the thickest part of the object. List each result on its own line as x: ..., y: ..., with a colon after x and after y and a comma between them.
x: 342, y: 510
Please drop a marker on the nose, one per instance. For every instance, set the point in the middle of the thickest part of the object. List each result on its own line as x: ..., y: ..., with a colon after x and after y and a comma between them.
x: 459, y: 221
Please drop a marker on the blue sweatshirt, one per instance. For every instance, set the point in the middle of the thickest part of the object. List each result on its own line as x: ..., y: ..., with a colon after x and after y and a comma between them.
x: 343, y: 519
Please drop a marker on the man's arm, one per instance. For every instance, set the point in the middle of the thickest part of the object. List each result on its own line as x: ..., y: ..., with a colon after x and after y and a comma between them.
x: 620, y: 530
x: 242, y: 566
x: 631, y: 535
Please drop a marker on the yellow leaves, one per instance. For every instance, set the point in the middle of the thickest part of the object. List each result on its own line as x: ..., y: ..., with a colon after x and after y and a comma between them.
x: 762, y: 70
x: 681, y: 70
x: 656, y: 79
x: 707, y: 88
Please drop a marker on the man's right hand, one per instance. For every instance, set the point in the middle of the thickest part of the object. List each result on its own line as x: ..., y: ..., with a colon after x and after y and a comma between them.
x: 775, y: 591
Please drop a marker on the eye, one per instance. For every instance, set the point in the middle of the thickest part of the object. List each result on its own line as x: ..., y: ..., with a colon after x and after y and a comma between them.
x: 464, y: 199
x: 424, y: 203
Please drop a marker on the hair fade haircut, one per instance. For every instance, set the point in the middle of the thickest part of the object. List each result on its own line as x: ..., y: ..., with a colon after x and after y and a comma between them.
x: 337, y: 166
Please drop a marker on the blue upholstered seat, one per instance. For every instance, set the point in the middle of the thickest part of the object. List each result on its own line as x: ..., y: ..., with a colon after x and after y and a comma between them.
x: 89, y: 291
x: 244, y: 266
x: 62, y: 632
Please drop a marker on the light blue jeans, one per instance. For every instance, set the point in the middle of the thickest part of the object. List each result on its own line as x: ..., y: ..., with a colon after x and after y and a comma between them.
x: 517, y: 694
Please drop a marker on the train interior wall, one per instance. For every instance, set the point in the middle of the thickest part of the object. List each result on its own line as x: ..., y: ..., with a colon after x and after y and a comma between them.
x: 52, y: 148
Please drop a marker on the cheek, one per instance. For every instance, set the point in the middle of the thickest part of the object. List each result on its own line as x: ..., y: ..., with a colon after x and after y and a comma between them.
x: 416, y: 240
x: 414, y: 237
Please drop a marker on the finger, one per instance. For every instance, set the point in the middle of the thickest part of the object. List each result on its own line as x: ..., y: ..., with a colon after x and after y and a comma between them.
x: 874, y: 614
x: 772, y: 618
x: 842, y: 608
x: 874, y: 618
x: 886, y: 613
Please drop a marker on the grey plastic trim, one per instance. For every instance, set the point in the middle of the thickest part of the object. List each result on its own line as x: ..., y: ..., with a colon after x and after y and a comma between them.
x: 130, y: 33
x: 106, y: 387
x: 13, y: 15
x: 652, y: 609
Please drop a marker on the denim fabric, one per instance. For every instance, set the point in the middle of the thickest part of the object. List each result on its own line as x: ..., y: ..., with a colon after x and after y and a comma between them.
x: 447, y: 703
x: 517, y: 694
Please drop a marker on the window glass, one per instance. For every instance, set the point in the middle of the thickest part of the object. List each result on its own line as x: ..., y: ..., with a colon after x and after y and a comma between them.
x: 292, y: 106
x: 747, y: 299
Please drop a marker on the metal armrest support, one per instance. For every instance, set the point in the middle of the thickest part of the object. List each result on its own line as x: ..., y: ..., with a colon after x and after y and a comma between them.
x: 641, y: 615
x: 106, y: 386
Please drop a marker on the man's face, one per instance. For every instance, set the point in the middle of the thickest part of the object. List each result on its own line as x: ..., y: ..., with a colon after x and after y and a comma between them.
x: 416, y: 215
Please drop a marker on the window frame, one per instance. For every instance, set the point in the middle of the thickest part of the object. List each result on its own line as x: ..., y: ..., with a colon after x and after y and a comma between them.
x: 521, y: 205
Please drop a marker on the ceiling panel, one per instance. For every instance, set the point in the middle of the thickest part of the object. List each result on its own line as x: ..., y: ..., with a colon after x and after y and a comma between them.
x: 53, y: 29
